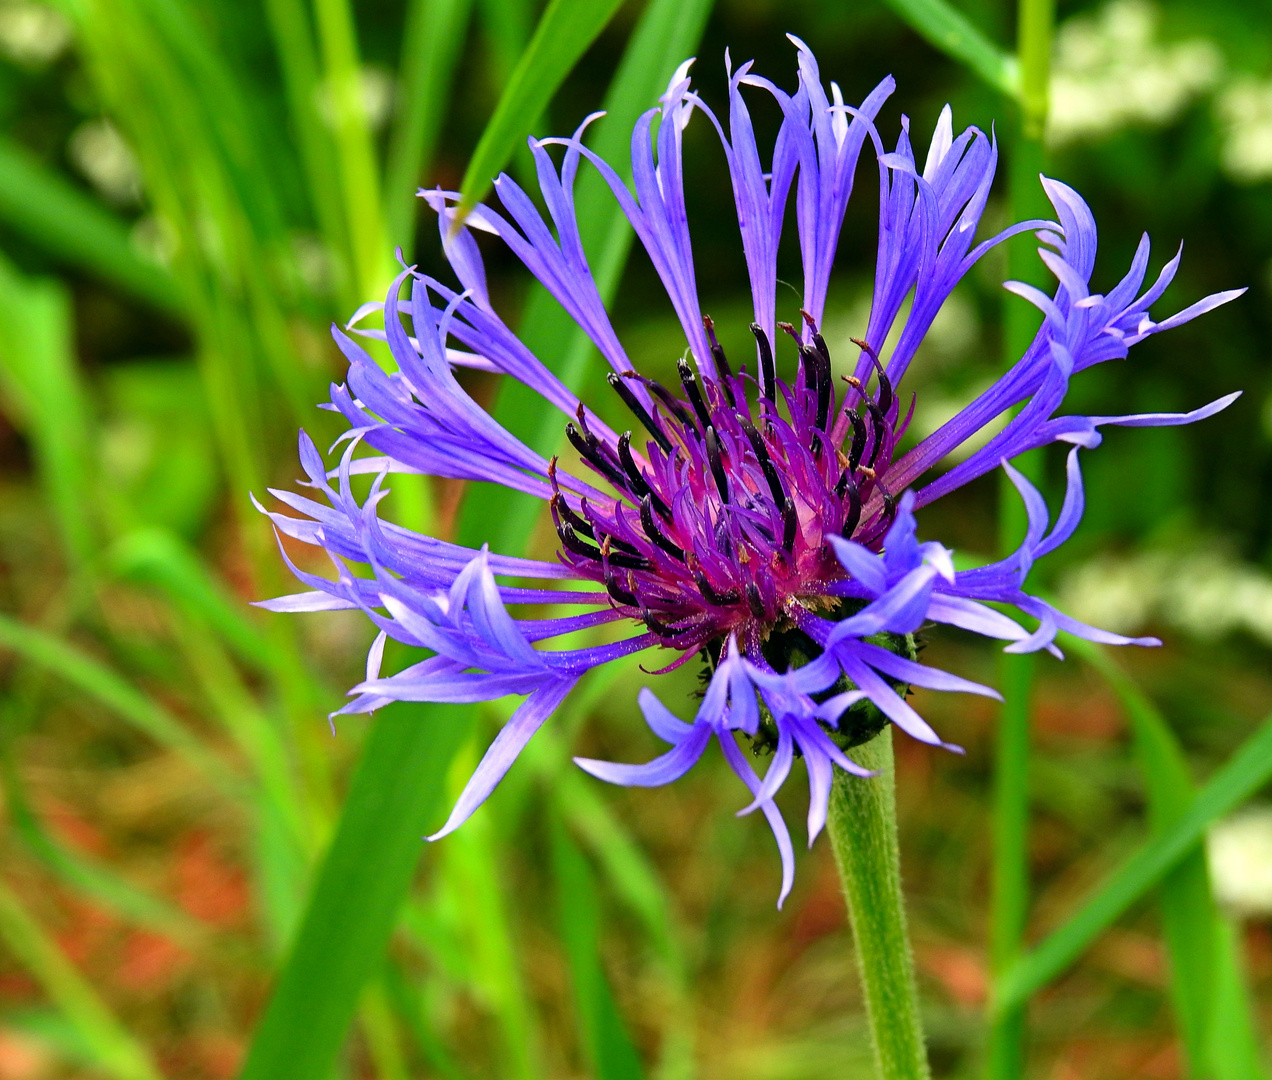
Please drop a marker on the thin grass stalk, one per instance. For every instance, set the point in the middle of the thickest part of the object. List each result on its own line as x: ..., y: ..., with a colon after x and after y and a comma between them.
x: 112, y: 1049
x: 1009, y: 888
x: 293, y: 38
x: 218, y: 262
x: 432, y: 44
x: 355, y: 151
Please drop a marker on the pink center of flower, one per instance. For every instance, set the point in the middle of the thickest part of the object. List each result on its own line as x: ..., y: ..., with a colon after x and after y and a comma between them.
x: 722, y: 523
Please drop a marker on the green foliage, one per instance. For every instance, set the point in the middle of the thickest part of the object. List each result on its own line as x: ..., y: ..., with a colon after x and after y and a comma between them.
x: 1249, y: 769
x: 564, y: 32
x: 394, y: 798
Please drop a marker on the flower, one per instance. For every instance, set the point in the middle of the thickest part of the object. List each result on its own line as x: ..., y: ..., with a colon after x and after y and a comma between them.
x: 764, y: 523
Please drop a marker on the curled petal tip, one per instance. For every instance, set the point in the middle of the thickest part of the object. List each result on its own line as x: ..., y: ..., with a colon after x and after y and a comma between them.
x: 953, y: 748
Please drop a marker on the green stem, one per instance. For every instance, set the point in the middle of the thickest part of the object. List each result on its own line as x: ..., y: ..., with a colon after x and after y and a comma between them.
x: 862, y: 824
x: 1035, y: 23
x: 1009, y: 875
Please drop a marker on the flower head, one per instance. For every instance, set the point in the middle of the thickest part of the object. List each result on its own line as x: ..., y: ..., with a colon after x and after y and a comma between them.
x: 758, y: 514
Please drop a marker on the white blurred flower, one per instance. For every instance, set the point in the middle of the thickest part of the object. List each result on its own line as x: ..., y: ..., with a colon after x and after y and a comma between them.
x: 155, y: 239
x: 32, y: 34
x: 100, y: 152
x: 1110, y: 72
x: 1201, y: 592
x: 1245, y: 113
x: 1240, y: 857
x: 378, y: 90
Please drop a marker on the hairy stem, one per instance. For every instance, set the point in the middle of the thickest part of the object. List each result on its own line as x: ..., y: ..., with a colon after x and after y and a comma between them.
x: 862, y: 823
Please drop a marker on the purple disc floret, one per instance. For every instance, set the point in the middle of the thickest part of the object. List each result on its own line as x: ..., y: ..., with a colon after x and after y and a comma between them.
x: 763, y: 523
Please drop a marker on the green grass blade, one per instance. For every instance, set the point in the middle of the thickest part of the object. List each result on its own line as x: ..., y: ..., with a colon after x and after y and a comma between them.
x: 370, y: 254
x: 1239, y: 778
x: 1195, y: 931
x: 255, y: 734
x: 1234, y: 1052
x: 162, y: 559
x: 59, y: 218
x: 635, y: 882
x: 506, y: 27
x: 946, y: 28
x: 432, y: 44
x: 471, y: 890
x: 563, y: 35
x: 605, y: 1041
x: 394, y: 797
x: 114, y: 1050
x: 225, y: 98
x: 413, y: 1005
x: 38, y: 370
x: 293, y: 39
x: 382, y: 1035
x: 98, y: 681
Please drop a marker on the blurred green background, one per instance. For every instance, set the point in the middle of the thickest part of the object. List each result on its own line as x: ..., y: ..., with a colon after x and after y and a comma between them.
x: 191, y: 192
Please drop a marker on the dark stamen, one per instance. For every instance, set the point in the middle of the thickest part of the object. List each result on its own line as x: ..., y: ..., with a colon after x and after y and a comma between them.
x: 790, y: 525
x: 879, y: 426
x: 754, y: 602
x: 590, y: 451
x: 653, y: 532
x: 723, y: 372
x: 674, y: 405
x: 885, y: 385
x: 889, y: 513
x: 572, y: 543
x: 766, y: 462
x: 821, y: 379
x: 817, y: 376
x: 623, y: 559
x: 768, y: 373
x: 622, y: 546
x: 639, y: 484
x: 858, y: 446
x: 628, y: 561
x: 657, y: 625
x: 819, y: 342
x: 580, y: 525
x: 847, y: 487
x: 717, y: 464
x: 692, y: 392
x: 638, y: 410
x: 709, y: 594
x: 623, y: 596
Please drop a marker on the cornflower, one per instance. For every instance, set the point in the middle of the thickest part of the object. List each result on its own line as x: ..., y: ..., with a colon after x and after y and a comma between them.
x: 763, y: 524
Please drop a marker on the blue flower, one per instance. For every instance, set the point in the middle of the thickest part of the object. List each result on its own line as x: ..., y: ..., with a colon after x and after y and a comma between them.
x: 763, y: 523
